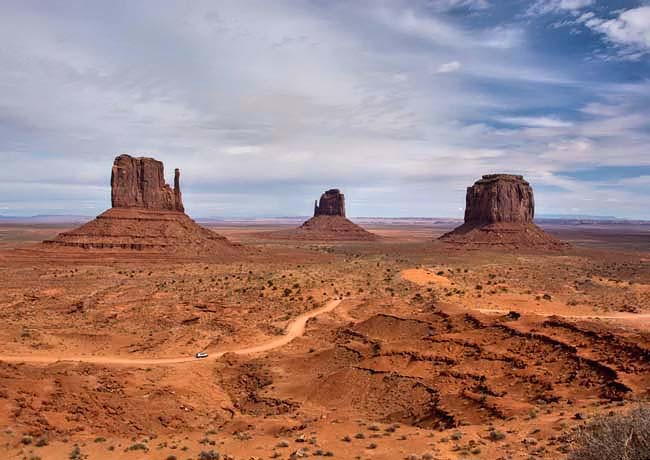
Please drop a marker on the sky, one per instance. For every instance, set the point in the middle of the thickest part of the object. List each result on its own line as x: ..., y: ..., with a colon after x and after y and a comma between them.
x: 263, y: 105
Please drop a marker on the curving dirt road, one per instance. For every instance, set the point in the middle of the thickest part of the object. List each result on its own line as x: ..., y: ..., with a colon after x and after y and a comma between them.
x: 296, y: 328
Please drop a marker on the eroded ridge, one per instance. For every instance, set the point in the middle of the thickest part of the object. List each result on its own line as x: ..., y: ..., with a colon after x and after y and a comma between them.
x: 459, y: 369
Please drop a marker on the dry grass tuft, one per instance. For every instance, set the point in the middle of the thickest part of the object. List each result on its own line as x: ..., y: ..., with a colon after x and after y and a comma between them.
x: 618, y: 437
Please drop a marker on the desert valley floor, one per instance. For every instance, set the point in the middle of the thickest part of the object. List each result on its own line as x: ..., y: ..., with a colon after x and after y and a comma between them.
x: 400, y: 348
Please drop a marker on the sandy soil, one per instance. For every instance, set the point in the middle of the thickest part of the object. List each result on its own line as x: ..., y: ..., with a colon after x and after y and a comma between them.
x: 425, y: 277
x: 370, y: 350
x: 296, y: 328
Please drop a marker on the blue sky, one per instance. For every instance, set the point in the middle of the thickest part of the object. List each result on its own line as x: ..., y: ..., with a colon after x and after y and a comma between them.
x: 263, y: 105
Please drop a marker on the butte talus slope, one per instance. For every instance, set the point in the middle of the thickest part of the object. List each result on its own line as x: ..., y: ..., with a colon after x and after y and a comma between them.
x: 499, y: 211
x: 329, y: 223
x: 147, y: 214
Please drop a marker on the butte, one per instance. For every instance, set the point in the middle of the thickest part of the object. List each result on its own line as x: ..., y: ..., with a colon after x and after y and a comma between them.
x: 499, y: 211
x: 146, y: 215
x: 329, y: 223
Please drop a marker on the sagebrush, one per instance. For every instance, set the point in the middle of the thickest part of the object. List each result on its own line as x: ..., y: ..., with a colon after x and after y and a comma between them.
x: 615, y: 437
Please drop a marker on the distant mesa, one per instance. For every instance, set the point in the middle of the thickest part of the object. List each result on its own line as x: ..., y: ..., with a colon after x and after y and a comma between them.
x: 328, y: 224
x: 499, y: 211
x: 147, y: 214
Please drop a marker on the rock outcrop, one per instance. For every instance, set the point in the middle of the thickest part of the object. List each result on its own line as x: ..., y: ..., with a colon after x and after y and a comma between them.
x: 499, y: 211
x: 328, y: 224
x: 147, y: 215
x: 140, y: 183
x: 499, y: 198
x: 332, y: 203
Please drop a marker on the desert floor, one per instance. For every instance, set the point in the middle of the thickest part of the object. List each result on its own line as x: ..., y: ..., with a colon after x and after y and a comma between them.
x: 399, y: 348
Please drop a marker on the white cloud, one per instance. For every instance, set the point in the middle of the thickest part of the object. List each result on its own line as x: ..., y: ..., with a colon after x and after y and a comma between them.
x: 502, y: 37
x: 553, y: 6
x: 635, y: 181
x: 242, y: 150
x: 631, y: 29
x: 444, y: 33
x: 449, y: 67
x: 628, y: 32
x: 577, y: 150
x: 584, y: 17
x: 264, y: 104
x: 536, y: 122
x: 446, y: 5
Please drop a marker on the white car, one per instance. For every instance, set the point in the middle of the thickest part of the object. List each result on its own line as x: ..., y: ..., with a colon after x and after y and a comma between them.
x: 201, y: 354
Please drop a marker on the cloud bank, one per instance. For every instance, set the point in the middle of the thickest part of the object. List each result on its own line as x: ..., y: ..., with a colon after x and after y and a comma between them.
x: 264, y: 105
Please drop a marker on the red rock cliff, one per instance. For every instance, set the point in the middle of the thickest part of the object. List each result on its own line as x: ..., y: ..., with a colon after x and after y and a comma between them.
x: 332, y: 203
x: 140, y: 183
x: 499, y: 198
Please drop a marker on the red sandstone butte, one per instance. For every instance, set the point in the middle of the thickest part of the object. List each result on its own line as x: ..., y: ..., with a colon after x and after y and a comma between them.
x: 499, y: 211
x: 147, y: 214
x: 140, y: 183
x: 328, y: 224
x: 332, y: 203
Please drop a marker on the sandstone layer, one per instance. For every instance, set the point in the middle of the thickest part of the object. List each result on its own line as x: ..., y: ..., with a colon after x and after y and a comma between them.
x: 332, y: 228
x: 147, y: 214
x: 499, y: 211
x: 143, y: 229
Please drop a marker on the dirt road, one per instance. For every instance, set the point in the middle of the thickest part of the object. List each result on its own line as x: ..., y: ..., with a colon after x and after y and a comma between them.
x: 296, y: 328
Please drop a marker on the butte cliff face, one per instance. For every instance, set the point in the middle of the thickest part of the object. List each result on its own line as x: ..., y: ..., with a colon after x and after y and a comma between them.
x: 140, y: 183
x: 332, y: 203
x: 499, y: 198
x: 147, y: 214
x: 499, y: 211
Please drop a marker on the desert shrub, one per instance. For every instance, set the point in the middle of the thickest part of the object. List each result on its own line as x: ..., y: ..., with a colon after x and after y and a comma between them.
x: 497, y: 436
x: 41, y: 442
x: 617, y: 437
x: 75, y: 453
x: 138, y: 446
x: 209, y: 455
